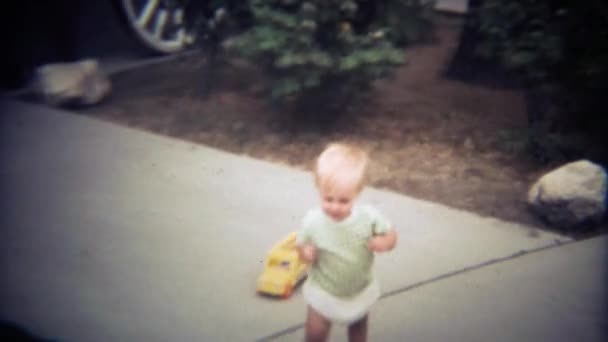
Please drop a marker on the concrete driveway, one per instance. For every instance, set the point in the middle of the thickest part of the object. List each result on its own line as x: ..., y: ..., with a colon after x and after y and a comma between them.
x: 113, y: 234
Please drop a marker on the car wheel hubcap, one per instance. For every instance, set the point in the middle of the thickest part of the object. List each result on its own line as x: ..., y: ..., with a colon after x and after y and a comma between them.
x: 159, y: 24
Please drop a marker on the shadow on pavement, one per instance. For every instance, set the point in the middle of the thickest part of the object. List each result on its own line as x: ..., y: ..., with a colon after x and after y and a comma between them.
x: 12, y: 332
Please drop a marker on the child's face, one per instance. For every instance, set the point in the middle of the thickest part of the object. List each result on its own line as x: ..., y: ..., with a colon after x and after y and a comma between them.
x: 337, y: 200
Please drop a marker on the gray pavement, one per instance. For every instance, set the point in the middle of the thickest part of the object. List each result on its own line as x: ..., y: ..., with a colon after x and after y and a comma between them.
x: 452, y: 6
x: 110, y: 233
x: 557, y: 294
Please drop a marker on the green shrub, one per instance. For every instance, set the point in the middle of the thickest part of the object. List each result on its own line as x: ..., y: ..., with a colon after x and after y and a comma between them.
x: 560, y: 49
x: 320, y: 47
x: 524, y: 35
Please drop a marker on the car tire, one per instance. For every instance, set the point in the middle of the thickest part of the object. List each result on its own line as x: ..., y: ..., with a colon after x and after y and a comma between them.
x: 157, y: 26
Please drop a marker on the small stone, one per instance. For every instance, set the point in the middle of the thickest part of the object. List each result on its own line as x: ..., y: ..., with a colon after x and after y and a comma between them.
x: 468, y: 144
x: 238, y: 126
x: 80, y: 82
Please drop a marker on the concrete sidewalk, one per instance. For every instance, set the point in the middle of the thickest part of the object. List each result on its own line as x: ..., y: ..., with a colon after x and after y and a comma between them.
x: 557, y: 294
x: 452, y: 6
x: 111, y: 233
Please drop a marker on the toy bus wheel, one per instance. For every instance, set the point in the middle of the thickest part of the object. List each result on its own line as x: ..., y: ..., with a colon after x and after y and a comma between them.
x: 288, y: 291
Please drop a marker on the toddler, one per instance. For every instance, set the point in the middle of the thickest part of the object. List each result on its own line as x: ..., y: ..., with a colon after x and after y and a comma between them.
x: 339, y: 240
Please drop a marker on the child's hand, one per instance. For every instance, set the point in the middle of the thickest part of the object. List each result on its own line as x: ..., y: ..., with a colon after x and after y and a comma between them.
x: 308, y: 252
x: 383, y: 243
x: 378, y: 244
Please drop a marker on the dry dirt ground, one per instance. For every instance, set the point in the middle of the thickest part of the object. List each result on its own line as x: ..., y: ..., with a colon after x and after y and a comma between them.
x: 429, y: 137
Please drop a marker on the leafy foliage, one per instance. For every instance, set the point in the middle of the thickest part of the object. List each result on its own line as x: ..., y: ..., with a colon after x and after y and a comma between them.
x: 560, y: 48
x: 309, y: 46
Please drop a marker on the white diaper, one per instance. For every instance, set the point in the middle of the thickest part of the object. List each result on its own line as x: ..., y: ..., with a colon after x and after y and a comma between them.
x: 341, y: 310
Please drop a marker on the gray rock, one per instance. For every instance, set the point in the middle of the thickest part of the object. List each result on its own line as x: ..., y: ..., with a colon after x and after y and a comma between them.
x: 80, y: 82
x: 468, y: 144
x: 571, y: 195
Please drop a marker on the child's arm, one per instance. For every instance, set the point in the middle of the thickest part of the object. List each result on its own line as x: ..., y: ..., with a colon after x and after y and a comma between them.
x: 307, y: 252
x: 383, y: 242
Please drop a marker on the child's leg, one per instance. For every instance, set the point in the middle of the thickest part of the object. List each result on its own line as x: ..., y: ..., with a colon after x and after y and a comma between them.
x: 357, y: 332
x: 317, y: 327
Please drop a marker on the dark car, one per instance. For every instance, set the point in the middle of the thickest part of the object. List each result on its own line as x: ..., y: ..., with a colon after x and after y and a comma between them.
x: 39, y: 32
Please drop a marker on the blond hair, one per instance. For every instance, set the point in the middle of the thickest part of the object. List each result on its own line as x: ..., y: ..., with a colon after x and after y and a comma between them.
x: 341, y: 162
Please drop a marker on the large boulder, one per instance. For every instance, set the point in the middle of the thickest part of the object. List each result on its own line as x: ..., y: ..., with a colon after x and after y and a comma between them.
x: 571, y: 195
x: 81, y: 83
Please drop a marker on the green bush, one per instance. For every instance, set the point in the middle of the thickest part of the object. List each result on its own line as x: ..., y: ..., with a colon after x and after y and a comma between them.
x: 523, y: 35
x: 314, y: 48
x: 560, y: 49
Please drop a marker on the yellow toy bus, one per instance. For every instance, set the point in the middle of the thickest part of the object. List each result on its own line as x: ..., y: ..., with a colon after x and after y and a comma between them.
x: 283, y: 269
